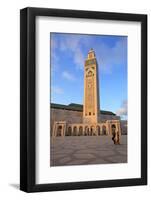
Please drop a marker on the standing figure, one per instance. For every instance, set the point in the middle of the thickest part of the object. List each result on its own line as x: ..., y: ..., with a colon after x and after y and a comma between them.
x: 118, y: 138
x: 113, y: 137
x: 114, y: 133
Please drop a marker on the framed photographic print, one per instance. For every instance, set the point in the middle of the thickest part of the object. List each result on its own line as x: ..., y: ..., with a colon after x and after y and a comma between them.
x: 83, y: 99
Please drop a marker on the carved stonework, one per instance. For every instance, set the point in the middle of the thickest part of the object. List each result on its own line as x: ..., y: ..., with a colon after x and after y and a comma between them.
x: 90, y: 62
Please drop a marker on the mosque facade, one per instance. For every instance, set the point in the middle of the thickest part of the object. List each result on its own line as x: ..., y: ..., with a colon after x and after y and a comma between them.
x: 87, y: 119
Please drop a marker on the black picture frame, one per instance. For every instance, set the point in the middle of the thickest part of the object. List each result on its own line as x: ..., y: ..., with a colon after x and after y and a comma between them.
x: 28, y: 99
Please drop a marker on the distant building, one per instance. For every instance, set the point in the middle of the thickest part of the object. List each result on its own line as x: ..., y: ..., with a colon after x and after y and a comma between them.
x: 86, y: 119
x: 124, y: 127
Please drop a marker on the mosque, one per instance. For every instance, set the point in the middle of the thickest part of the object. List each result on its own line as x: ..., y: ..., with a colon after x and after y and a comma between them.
x: 87, y: 119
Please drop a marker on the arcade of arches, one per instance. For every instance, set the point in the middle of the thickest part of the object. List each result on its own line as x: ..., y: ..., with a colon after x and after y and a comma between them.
x: 61, y: 128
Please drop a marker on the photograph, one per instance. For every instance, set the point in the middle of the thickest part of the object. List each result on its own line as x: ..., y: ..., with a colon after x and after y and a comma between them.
x: 83, y: 99
x: 88, y: 99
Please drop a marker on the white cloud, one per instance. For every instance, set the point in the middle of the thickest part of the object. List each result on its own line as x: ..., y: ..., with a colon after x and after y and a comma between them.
x: 73, y: 44
x: 107, y: 56
x: 110, y: 57
x: 68, y: 76
x: 56, y: 90
x: 122, y: 111
x: 79, y: 59
x: 54, y: 62
x: 70, y: 43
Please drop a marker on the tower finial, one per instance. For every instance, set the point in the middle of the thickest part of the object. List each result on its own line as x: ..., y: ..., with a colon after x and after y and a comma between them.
x: 91, y: 54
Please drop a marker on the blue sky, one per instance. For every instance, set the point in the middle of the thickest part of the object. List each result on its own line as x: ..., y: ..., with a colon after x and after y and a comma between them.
x: 68, y: 53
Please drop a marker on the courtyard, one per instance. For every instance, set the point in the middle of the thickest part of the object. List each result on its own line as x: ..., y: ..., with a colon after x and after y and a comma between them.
x: 83, y: 150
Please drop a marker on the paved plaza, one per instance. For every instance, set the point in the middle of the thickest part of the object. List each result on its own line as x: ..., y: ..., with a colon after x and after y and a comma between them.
x: 83, y: 150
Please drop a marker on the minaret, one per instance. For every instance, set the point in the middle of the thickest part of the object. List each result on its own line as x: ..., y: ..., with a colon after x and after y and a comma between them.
x: 91, y: 107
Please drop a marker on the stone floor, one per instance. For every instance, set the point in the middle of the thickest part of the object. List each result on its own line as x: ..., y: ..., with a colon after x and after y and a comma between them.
x: 83, y: 150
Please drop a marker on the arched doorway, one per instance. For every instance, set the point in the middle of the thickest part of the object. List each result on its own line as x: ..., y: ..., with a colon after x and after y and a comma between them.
x: 59, y: 130
x: 74, y: 131
x: 103, y: 130
x: 80, y: 130
x: 92, y: 130
x: 86, y: 132
x: 69, y: 131
x: 98, y: 130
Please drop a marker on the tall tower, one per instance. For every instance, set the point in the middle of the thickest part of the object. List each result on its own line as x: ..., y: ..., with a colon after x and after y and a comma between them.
x: 91, y: 108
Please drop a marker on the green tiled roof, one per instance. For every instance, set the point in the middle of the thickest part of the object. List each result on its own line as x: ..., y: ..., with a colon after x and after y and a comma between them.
x: 76, y: 107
